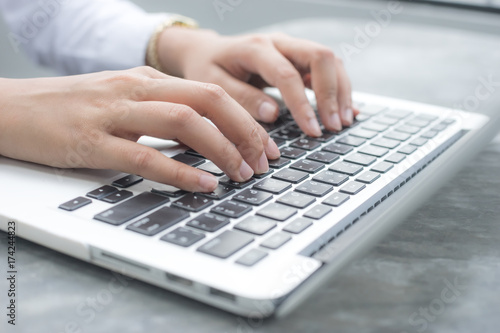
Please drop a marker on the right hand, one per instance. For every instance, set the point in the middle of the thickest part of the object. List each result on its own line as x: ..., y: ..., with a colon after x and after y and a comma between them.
x: 101, y: 116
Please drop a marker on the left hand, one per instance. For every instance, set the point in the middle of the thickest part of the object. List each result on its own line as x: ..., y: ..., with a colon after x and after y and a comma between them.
x: 244, y: 64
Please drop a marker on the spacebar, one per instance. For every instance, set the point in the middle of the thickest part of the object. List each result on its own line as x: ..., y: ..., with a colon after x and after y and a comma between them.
x: 131, y: 208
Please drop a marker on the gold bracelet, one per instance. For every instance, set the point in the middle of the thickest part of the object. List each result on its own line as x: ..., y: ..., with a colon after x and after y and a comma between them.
x: 152, y: 56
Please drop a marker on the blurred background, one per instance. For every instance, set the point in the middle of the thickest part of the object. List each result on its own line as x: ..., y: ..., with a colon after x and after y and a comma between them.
x: 244, y: 15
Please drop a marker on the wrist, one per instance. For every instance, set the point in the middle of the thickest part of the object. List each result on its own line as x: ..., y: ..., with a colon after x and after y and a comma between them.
x: 155, y: 45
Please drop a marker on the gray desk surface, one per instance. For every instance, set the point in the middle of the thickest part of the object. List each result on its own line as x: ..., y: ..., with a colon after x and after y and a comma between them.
x: 454, y: 238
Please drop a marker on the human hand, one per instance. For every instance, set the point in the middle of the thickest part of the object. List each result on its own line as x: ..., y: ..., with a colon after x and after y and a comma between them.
x: 93, y: 121
x: 243, y: 64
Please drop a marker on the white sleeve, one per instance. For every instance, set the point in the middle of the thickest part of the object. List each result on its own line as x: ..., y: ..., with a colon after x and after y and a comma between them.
x: 80, y: 36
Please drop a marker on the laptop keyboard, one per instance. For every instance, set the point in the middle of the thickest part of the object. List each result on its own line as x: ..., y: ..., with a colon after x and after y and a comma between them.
x: 312, y: 178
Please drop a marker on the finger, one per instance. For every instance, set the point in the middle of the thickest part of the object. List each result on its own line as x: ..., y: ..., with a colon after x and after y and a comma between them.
x: 133, y: 158
x: 211, y: 101
x: 264, y: 59
x: 255, y: 101
x: 175, y: 121
x: 344, y: 95
x: 329, y: 79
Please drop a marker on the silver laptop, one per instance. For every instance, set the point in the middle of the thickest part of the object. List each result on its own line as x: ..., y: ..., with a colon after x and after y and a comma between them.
x: 256, y: 248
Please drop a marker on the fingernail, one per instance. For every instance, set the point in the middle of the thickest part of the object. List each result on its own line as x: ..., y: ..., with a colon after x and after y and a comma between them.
x: 263, y: 166
x: 208, y: 182
x: 245, y: 171
x: 267, y: 112
x: 347, y: 115
x: 272, y: 149
x: 335, y: 122
x: 314, y: 127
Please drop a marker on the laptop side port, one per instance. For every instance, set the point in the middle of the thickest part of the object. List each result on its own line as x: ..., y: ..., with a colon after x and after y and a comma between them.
x: 180, y: 280
x: 222, y: 294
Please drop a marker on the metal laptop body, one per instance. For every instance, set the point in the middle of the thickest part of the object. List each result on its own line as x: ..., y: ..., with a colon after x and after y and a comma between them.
x: 277, y: 284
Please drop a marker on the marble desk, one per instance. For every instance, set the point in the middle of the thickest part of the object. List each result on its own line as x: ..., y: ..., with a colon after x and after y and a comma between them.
x: 448, y: 250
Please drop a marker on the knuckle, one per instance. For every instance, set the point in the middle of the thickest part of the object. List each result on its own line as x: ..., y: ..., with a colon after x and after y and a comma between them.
x: 181, y: 115
x: 324, y: 53
x: 259, y: 39
x: 286, y: 73
x: 215, y: 92
x: 142, y: 159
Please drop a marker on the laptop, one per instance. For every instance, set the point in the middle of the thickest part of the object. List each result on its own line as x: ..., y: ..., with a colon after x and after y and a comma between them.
x: 261, y: 247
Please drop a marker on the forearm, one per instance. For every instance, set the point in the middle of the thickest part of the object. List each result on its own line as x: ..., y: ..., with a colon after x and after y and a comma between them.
x: 80, y: 36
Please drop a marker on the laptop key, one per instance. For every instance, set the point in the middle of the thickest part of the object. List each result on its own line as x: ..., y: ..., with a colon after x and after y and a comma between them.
x: 347, y: 168
x: 263, y: 175
x: 286, y: 134
x: 298, y: 225
x: 187, y: 159
x: 336, y: 199
x: 368, y: 177
x: 360, y: 159
x: 331, y: 177
x: 418, y: 123
x: 296, y: 199
x: 221, y: 191
x: 314, y: 188
x: 251, y: 257
x: 408, y: 129
x: 386, y: 143
x: 279, y: 142
x: 408, y: 149
x: 429, y: 134
x: 183, y: 236
x: 160, y: 220
x: 318, y: 212
x: 439, y: 127
x: 306, y: 144
x: 351, y: 141
x: 277, y: 211
x: 239, y: 185
x: 278, y: 163
x: 127, y: 181
x: 291, y: 152
x: 382, y: 167
x: 208, y: 222
x: 386, y: 120
x: 257, y: 225
x: 395, y: 158
x: 102, y: 192
x: 193, y: 202
x: 400, y: 136
x: 168, y: 190
x: 74, y: 204
x: 307, y: 166
x: 363, y: 133
x: 337, y: 148
x: 373, y: 151
x: 325, y: 137
x: 194, y: 153
x: 323, y: 157
x: 375, y: 127
x: 231, y: 209
x: 131, y: 208
x: 352, y: 188
x: 272, y: 185
x: 290, y: 175
x: 419, y: 142
x: 226, y: 244
x: 210, y: 167
x: 118, y: 196
x: 253, y: 197
x: 276, y: 241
